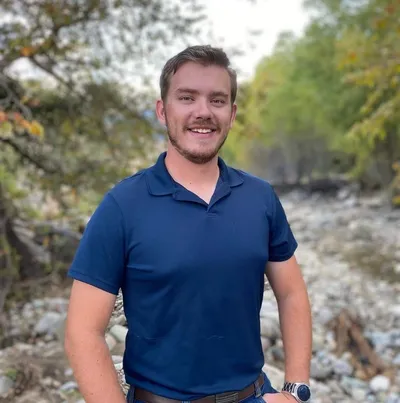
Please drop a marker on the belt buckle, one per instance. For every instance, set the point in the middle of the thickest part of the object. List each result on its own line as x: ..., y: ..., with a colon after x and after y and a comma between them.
x: 229, y: 397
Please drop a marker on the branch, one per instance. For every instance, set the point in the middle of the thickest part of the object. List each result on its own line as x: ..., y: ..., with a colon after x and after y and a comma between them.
x: 54, y: 74
x: 27, y: 156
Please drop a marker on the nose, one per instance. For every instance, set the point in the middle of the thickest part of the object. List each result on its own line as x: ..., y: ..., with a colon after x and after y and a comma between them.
x: 202, y: 110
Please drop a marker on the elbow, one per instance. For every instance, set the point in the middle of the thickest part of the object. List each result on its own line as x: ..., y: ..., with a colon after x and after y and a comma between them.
x: 77, y: 339
x: 69, y: 342
x: 73, y: 339
x: 295, y: 295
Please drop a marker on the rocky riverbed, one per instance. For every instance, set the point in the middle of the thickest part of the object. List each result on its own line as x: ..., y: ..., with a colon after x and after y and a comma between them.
x: 349, y: 250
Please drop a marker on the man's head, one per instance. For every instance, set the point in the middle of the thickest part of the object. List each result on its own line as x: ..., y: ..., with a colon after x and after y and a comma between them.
x: 198, y: 91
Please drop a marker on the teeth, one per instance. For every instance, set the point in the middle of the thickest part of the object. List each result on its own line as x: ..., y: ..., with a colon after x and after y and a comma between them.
x: 202, y: 130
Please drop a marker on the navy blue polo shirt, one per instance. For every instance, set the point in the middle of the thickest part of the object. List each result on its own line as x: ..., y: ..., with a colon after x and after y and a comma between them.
x: 191, y: 274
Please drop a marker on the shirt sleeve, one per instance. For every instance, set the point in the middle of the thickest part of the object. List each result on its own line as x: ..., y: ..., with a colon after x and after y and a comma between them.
x: 282, y: 243
x: 100, y: 257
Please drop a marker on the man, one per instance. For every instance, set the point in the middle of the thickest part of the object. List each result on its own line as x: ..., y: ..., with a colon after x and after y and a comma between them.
x: 188, y: 241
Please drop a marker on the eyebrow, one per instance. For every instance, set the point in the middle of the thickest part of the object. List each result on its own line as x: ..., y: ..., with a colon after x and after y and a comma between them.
x: 193, y: 91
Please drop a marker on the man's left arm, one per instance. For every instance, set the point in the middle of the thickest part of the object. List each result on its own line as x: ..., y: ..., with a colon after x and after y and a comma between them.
x: 290, y: 290
x: 285, y: 277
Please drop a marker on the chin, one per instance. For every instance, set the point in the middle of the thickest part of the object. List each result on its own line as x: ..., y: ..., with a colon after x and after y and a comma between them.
x: 199, y: 157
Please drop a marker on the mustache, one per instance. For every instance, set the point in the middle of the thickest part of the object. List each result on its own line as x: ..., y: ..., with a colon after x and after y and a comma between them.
x: 203, y: 124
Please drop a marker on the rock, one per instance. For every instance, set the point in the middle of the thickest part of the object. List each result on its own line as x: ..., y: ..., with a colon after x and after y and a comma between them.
x: 379, y: 383
x: 318, y: 341
x: 342, y: 367
x: 49, y: 323
x: 6, y: 384
x: 319, y: 370
x: 395, y: 310
x: 69, y: 386
x: 396, y: 360
x: 119, y: 332
x: 266, y: 344
x: 393, y: 398
x: 270, y: 327
x: 111, y: 342
x: 324, y: 315
x: 350, y: 384
x: 359, y: 395
x: 275, y: 375
x: 117, y: 359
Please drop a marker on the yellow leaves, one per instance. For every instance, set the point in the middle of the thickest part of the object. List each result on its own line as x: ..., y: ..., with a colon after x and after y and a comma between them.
x: 14, y: 121
x: 27, y: 51
x: 380, y: 23
x: 352, y: 57
x: 36, y: 129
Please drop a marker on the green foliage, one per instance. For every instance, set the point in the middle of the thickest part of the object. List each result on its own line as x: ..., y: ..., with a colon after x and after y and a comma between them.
x: 334, y: 92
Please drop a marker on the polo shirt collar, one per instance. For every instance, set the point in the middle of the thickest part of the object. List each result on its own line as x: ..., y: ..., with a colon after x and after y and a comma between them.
x: 160, y: 182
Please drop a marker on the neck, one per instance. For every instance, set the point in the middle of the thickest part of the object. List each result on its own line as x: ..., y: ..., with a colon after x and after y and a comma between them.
x: 184, y: 171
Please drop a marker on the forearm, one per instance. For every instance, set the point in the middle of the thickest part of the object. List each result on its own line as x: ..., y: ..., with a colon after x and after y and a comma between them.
x: 296, y: 328
x: 93, y: 368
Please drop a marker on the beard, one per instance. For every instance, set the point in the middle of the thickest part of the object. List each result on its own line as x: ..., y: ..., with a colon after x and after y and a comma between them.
x: 196, y: 157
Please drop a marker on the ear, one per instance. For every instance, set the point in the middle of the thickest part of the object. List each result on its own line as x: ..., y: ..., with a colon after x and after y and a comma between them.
x: 160, y: 112
x: 233, y: 114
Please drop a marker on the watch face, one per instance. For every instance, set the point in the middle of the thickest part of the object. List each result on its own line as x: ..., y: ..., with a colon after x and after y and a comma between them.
x: 303, y: 392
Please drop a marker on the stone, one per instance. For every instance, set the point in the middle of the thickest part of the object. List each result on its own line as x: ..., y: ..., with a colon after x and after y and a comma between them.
x: 320, y: 370
x: 270, y: 327
x: 393, y: 398
x: 119, y: 332
x: 110, y: 340
x: 6, y: 384
x: 359, y: 395
x: 275, y: 375
x: 266, y: 344
x: 395, y: 310
x: 396, y: 360
x: 49, y: 322
x: 379, y: 383
x: 117, y: 359
x: 69, y: 386
x: 342, y: 367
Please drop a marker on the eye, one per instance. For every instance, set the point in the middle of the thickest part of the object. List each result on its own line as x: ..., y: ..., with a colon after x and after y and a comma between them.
x: 185, y: 98
x: 219, y: 101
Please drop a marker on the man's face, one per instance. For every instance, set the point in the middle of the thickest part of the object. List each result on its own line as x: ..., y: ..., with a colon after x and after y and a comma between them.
x: 198, y: 111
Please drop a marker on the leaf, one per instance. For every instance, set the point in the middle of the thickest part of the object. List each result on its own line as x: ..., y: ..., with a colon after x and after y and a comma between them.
x: 6, y: 129
x: 27, y: 51
x: 18, y: 118
x: 3, y: 117
x: 36, y: 129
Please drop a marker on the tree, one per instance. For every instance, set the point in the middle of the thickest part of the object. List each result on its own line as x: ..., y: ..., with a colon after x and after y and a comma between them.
x: 368, y: 57
x: 329, y: 99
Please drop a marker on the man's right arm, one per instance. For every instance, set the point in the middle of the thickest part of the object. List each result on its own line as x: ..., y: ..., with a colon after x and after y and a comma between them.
x: 98, y: 271
x: 89, y: 312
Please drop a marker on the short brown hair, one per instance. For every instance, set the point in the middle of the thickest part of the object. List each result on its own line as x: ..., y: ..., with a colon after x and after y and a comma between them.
x: 202, y: 54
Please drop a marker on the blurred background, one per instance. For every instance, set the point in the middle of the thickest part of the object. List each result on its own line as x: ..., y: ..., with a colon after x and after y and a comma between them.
x: 319, y: 117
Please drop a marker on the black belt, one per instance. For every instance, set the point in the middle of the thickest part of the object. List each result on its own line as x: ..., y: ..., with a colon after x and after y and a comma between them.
x: 227, y: 397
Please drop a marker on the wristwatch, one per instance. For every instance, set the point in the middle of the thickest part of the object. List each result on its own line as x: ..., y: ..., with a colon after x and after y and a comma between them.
x: 300, y: 391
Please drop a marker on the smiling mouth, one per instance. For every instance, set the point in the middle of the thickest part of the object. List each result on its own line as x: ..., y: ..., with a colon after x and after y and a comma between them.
x: 202, y: 130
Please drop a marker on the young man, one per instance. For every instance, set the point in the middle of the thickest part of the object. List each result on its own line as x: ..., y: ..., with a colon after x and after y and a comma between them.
x: 189, y: 241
